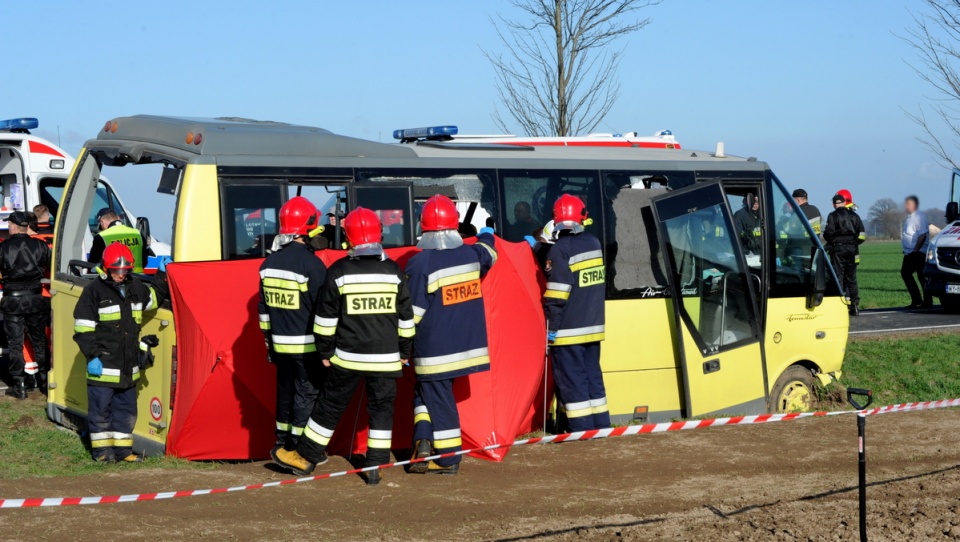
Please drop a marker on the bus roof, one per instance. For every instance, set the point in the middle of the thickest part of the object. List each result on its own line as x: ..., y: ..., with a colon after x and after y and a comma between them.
x: 245, y: 142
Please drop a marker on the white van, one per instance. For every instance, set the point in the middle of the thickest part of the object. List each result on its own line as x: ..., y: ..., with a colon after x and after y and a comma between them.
x: 34, y: 171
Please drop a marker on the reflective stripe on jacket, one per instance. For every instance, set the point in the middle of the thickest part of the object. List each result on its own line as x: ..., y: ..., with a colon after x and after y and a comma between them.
x: 290, y: 284
x: 576, y: 288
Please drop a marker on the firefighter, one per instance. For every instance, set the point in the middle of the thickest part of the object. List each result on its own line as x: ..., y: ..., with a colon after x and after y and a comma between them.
x: 451, y: 328
x: 290, y: 281
x: 107, y: 324
x: 113, y: 230
x: 844, y: 234
x: 749, y: 225
x: 574, y: 306
x: 364, y: 330
x: 24, y: 262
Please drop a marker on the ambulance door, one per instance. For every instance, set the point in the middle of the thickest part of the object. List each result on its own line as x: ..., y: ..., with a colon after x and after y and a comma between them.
x: 715, y: 306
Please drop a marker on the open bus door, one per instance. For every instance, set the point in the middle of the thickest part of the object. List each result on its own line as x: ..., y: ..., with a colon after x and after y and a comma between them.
x: 393, y: 201
x: 715, y: 306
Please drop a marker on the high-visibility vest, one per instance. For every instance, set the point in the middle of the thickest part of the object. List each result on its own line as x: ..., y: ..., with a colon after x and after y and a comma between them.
x: 128, y: 236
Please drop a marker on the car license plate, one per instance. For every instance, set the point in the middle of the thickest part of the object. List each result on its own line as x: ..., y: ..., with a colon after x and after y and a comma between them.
x: 953, y: 288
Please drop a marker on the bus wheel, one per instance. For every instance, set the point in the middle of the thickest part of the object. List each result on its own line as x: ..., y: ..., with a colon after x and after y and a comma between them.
x: 793, y: 391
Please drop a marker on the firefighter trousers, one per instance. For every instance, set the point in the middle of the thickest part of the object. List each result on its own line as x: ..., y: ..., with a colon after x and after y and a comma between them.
x: 111, y: 416
x: 338, y: 389
x: 437, y: 419
x: 33, y: 325
x: 845, y: 260
x: 299, y: 379
x: 579, y: 386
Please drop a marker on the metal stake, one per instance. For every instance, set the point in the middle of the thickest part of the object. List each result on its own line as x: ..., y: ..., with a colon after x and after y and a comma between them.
x: 861, y: 452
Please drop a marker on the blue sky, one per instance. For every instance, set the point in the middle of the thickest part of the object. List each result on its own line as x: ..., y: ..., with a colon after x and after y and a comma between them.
x: 815, y: 88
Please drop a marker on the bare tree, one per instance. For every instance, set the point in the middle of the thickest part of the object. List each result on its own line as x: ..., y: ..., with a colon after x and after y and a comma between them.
x: 935, y: 35
x: 937, y: 217
x: 885, y: 218
x: 557, y: 74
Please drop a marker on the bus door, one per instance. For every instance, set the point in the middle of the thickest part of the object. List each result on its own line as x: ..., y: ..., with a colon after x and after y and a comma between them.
x: 715, y: 306
x: 393, y: 201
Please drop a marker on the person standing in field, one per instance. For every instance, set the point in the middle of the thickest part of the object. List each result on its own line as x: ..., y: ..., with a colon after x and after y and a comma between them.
x: 914, y: 239
x: 844, y: 234
x: 810, y: 211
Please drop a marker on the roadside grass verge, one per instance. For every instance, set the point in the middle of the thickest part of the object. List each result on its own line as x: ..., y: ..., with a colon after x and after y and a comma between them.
x: 879, y: 275
x: 32, y: 446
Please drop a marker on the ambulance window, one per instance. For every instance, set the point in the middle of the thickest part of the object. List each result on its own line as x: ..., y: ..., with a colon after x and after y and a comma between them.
x: 529, y: 195
x: 635, y: 267
x: 474, y: 192
x: 249, y: 220
x: 794, y: 245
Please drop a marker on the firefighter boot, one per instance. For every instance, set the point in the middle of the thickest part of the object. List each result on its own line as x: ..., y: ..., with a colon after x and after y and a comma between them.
x: 372, y: 477
x: 452, y: 470
x: 30, y: 383
x: 296, y: 463
x: 132, y: 458
x: 422, y: 449
x: 42, y: 382
x: 17, y: 390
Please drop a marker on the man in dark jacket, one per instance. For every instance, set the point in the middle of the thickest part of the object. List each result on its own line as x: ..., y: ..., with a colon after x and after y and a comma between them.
x: 107, y: 324
x: 364, y: 328
x: 844, y: 234
x: 749, y: 225
x: 24, y: 261
x: 809, y: 210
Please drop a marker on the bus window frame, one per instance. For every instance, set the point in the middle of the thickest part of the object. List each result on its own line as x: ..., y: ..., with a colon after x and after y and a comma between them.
x: 598, y: 228
x: 224, y: 182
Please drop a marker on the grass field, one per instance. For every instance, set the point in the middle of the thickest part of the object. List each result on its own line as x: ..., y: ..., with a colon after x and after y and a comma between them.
x: 879, y: 275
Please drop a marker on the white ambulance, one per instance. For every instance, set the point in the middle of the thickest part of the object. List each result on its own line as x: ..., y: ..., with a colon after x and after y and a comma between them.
x: 34, y: 171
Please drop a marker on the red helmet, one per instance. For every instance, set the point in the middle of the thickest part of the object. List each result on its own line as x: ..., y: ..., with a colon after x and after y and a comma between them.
x: 847, y: 196
x: 439, y: 213
x: 298, y: 217
x: 362, y: 227
x: 569, y: 209
x: 117, y: 257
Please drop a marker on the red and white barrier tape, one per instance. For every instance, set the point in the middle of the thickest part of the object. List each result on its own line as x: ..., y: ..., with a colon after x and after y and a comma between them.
x: 566, y: 437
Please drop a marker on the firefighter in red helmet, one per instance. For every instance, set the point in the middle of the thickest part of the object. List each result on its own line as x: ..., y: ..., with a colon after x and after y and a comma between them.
x: 574, y: 306
x: 290, y: 282
x: 108, y: 320
x: 364, y: 330
x: 451, y: 328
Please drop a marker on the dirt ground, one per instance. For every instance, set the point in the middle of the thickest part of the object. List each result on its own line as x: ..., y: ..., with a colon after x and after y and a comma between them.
x: 786, y: 481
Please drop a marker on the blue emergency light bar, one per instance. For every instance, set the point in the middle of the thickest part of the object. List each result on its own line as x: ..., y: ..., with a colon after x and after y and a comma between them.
x: 429, y: 132
x: 19, y: 124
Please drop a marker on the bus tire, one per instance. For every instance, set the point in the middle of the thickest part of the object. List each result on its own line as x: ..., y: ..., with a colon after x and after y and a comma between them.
x: 793, y: 391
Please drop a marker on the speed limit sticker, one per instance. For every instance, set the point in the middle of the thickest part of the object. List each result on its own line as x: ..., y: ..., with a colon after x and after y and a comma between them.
x: 156, y: 409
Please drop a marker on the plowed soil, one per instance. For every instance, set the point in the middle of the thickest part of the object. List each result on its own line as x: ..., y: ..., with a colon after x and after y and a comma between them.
x: 786, y: 481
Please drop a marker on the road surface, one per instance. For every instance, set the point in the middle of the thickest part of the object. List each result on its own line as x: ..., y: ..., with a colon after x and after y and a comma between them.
x: 886, y: 321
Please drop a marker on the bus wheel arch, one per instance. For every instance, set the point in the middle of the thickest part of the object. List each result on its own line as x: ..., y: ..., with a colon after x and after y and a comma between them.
x: 794, y: 390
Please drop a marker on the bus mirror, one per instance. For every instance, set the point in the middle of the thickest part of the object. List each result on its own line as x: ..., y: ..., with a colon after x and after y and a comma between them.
x: 143, y: 226
x: 953, y: 212
x: 818, y: 278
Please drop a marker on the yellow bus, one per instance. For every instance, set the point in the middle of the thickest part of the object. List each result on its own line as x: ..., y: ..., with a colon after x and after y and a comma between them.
x: 696, y: 324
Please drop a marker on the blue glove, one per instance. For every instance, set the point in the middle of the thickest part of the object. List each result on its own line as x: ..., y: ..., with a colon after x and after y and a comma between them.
x: 486, y: 230
x: 162, y: 265
x: 95, y: 367
x: 551, y: 337
x: 531, y: 240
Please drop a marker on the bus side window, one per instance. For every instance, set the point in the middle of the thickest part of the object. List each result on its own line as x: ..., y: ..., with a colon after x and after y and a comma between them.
x: 249, y: 219
x: 528, y: 198
x: 794, y: 247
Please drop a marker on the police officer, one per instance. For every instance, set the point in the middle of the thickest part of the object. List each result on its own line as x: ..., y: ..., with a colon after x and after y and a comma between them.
x: 810, y: 211
x: 364, y: 327
x: 108, y: 317
x: 113, y: 230
x: 290, y: 283
x: 574, y: 306
x: 844, y: 234
x: 749, y: 225
x: 451, y: 341
x: 24, y: 261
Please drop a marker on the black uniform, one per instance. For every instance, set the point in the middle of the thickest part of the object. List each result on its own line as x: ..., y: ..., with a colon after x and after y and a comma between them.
x: 290, y: 283
x: 844, y: 234
x: 749, y: 227
x: 23, y: 262
x: 364, y: 326
x: 108, y: 317
x: 813, y: 217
